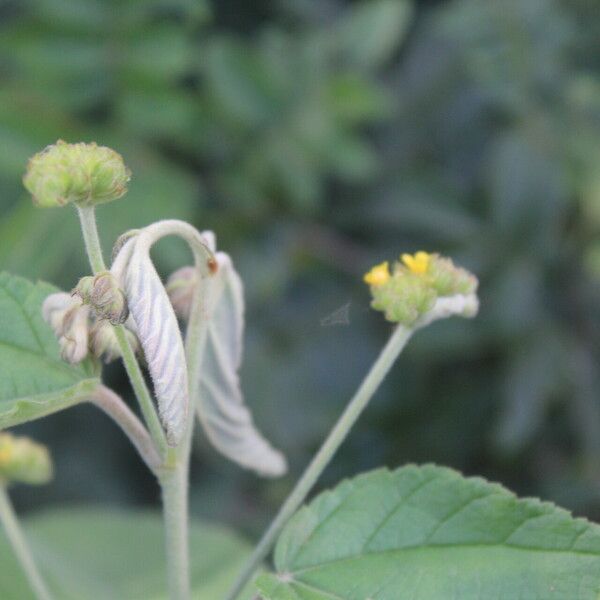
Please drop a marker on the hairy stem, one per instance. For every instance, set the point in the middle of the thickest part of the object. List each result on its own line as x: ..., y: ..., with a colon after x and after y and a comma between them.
x: 87, y: 219
x: 175, y: 510
x: 20, y: 546
x: 335, y: 438
x: 141, y: 391
x: 175, y: 490
x: 113, y: 405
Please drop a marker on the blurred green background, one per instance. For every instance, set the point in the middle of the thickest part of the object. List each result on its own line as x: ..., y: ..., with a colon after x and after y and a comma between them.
x: 318, y: 137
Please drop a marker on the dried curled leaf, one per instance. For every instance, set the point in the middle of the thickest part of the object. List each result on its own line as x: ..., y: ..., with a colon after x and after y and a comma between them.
x: 223, y: 414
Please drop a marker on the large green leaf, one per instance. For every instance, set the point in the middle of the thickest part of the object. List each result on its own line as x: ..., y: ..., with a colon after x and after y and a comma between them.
x: 34, y: 380
x: 87, y: 554
x: 423, y: 533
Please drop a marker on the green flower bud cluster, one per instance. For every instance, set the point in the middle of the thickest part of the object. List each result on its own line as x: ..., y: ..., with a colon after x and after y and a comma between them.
x: 415, y: 283
x: 23, y: 460
x: 103, y: 294
x: 84, y: 174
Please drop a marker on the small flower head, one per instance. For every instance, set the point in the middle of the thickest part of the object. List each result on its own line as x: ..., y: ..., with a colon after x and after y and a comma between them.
x: 417, y: 283
x: 417, y: 263
x: 23, y: 460
x: 84, y: 174
x: 404, y: 298
x: 379, y: 275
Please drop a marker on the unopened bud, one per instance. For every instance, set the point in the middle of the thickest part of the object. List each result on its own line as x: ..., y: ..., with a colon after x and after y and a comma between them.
x: 180, y: 287
x: 23, y: 460
x: 448, y: 279
x: 84, y: 174
x: 104, y: 344
x: 69, y: 320
x: 104, y: 295
x: 84, y: 288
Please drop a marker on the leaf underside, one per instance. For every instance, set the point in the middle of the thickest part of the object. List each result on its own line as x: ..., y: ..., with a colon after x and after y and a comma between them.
x: 424, y: 533
x: 223, y: 413
x: 87, y: 554
x: 34, y: 380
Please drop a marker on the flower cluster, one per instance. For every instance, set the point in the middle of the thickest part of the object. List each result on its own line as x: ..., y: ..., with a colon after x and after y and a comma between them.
x: 415, y: 283
x: 80, y: 330
x: 83, y: 174
x: 23, y: 460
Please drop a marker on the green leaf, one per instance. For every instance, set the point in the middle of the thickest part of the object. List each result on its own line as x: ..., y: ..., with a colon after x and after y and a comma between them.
x: 34, y: 380
x: 371, y: 31
x: 428, y: 533
x: 105, y: 555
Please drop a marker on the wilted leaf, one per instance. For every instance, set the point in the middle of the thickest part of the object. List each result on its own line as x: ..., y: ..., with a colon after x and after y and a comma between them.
x: 226, y: 420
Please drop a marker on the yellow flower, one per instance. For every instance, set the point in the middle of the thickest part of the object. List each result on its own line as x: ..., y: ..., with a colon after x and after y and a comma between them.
x: 417, y: 263
x: 378, y: 275
x: 5, y: 455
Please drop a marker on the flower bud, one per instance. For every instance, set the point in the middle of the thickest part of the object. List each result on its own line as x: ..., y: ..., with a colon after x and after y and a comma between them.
x: 69, y: 320
x: 448, y: 279
x: 104, y: 344
x: 104, y: 295
x: 84, y: 174
x: 23, y: 460
x: 180, y: 288
x: 83, y: 289
x: 108, y: 298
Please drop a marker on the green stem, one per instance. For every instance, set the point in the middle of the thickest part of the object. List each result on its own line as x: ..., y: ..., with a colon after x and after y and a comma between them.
x: 174, y: 484
x: 87, y: 219
x: 335, y: 438
x: 138, y: 384
x: 20, y: 547
x: 113, y: 405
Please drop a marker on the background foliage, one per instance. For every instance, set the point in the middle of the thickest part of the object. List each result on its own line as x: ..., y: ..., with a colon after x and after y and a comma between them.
x: 318, y: 137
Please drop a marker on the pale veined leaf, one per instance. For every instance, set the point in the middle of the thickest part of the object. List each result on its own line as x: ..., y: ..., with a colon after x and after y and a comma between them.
x: 226, y: 419
x: 158, y: 332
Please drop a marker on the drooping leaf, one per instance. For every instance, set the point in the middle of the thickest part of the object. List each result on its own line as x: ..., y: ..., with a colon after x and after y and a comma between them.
x: 221, y: 409
x: 109, y: 555
x: 160, y: 338
x: 427, y: 533
x: 34, y: 380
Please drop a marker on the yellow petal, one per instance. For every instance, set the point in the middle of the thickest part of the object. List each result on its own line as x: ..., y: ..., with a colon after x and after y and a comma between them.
x: 417, y: 263
x: 378, y: 275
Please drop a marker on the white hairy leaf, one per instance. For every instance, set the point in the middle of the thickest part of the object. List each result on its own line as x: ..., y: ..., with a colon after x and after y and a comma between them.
x: 159, y: 335
x: 223, y: 414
